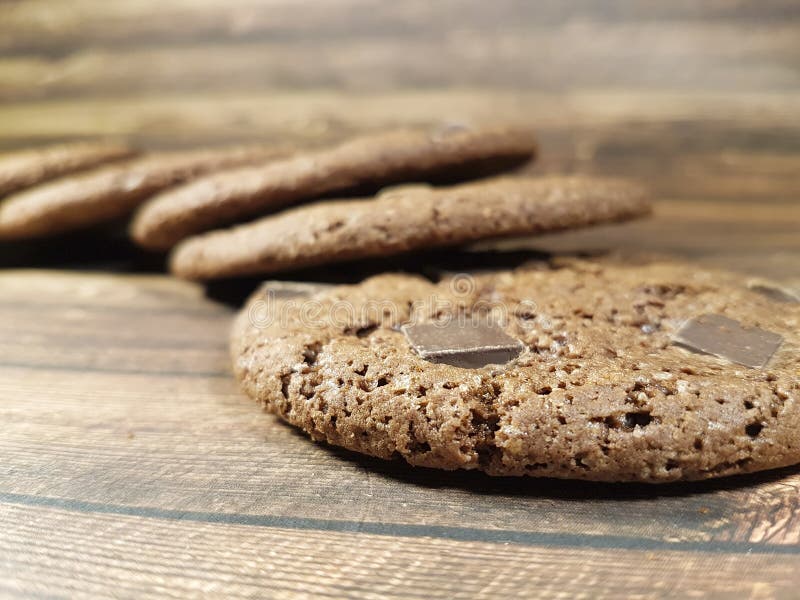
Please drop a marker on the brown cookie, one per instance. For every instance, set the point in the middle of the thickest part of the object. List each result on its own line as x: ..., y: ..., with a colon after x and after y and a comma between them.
x: 585, y: 370
x: 19, y: 170
x: 366, y: 163
x: 405, y: 219
x: 112, y: 192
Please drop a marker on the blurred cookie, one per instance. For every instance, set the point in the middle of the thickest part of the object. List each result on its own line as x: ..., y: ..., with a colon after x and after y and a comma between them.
x: 407, y: 218
x: 19, y: 170
x: 366, y: 163
x: 587, y: 370
x: 112, y: 192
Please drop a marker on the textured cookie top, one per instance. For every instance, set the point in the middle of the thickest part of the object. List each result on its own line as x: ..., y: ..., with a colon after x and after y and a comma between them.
x: 405, y: 155
x: 408, y: 218
x: 600, y: 391
x: 25, y: 168
x: 113, y: 191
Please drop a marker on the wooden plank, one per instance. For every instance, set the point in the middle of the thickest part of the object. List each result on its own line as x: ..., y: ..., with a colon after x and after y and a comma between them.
x: 299, y: 115
x: 84, y: 552
x: 44, y: 26
x: 668, y: 55
x: 763, y: 249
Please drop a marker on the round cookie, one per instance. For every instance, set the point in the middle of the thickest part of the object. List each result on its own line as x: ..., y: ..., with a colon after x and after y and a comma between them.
x: 407, y: 218
x: 19, y: 170
x: 113, y: 191
x: 366, y: 163
x: 596, y: 382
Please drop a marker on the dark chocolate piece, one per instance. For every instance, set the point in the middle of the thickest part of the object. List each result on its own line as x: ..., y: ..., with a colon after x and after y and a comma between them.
x: 291, y: 289
x: 726, y: 338
x: 463, y: 344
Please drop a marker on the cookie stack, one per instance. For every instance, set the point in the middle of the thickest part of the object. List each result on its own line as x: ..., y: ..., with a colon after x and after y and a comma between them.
x: 227, y: 212
x: 72, y: 187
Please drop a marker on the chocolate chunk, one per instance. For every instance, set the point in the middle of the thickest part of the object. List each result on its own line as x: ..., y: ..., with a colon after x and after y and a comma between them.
x: 463, y: 344
x: 726, y: 338
x: 291, y: 289
x: 774, y: 291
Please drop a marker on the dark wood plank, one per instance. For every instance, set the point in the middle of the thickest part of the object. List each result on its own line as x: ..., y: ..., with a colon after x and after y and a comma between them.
x: 85, y: 553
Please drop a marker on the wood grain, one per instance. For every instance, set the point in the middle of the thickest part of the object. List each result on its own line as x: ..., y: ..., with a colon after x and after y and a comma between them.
x: 683, y: 56
x: 184, y: 557
x: 130, y: 464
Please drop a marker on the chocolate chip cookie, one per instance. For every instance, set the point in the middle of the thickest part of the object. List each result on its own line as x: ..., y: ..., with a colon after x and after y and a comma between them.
x: 596, y: 370
x: 408, y: 218
x: 113, y: 191
x: 22, y: 169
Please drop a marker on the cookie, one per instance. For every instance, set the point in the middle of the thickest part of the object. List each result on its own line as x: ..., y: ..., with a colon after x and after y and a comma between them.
x: 595, y: 370
x: 111, y: 192
x: 366, y: 163
x: 405, y: 219
x: 19, y: 170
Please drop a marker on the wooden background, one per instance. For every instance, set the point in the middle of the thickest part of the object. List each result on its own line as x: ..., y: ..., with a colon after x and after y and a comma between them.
x: 130, y: 465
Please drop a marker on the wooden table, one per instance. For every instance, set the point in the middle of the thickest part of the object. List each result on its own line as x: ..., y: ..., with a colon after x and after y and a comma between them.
x: 131, y: 466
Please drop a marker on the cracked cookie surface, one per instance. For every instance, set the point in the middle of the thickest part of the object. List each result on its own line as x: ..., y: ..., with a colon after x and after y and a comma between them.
x: 409, y: 218
x: 367, y: 163
x: 111, y: 192
x: 600, y: 392
x: 25, y: 168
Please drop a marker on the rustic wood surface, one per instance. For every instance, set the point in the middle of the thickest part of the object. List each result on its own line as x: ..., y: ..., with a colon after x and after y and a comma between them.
x: 130, y: 465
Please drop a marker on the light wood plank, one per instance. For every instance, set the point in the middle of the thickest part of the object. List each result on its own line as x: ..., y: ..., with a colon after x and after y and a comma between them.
x: 41, y: 25
x: 318, y: 112
x: 665, y: 55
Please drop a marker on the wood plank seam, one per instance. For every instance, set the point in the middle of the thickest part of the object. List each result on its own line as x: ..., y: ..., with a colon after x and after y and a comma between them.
x: 405, y: 530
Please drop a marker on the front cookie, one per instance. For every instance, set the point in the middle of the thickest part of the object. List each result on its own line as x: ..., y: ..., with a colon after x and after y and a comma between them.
x: 607, y: 383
